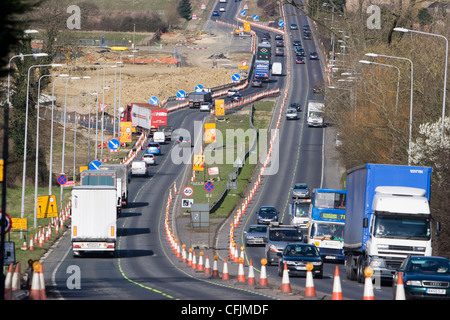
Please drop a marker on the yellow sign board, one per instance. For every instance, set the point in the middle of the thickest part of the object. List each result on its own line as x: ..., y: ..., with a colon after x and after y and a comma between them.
x: 247, y: 27
x: 199, y: 162
x: 210, y: 132
x: 2, y: 162
x: 82, y: 168
x: 126, y: 130
x: 220, y: 107
x: 19, y: 224
x: 46, y: 207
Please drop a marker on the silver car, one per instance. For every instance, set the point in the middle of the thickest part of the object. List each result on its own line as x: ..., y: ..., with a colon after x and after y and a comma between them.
x: 301, y: 190
x: 291, y: 113
x: 255, y: 234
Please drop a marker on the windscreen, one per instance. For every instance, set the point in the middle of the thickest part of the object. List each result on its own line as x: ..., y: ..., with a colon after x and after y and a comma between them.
x: 402, y: 227
x: 327, y: 231
x: 286, y: 235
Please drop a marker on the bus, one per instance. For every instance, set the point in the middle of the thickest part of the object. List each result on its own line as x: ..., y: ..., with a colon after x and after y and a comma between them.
x: 327, y: 219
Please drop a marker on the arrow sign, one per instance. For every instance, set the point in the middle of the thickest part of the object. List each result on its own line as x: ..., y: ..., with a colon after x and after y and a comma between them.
x: 95, y: 165
x: 113, y: 144
x: 243, y: 13
x: 255, y: 17
x: 62, y: 179
x: 198, y: 87
x: 281, y: 23
x: 181, y: 94
x: 153, y: 101
x: 236, y: 77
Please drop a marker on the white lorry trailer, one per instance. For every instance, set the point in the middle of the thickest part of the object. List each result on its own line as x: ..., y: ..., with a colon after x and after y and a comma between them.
x: 94, y: 219
x: 315, y: 113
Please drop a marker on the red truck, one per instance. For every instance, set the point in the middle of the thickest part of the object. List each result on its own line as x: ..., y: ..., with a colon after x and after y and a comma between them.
x: 144, y: 116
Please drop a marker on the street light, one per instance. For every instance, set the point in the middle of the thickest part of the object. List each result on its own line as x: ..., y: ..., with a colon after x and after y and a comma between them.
x: 22, y: 210
x: 411, y: 101
x: 445, y: 70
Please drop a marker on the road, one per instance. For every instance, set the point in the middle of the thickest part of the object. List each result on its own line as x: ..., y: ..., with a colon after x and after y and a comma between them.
x: 143, y: 268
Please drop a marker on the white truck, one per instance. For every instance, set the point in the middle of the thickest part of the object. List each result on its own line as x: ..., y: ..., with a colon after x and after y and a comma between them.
x: 94, y: 219
x: 123, y: 178
x: 315, y: 113
x: 277, y: 69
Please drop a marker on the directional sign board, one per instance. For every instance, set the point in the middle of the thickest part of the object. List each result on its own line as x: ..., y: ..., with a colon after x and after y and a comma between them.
x: 62, y: 179
x: 198, y: 87
x: 236, y: 77
x: 46, y: 207
x: 153, y: 101
x: 243, y: 13
x: 95, y: 165
x: 209, y: 186
x: 281, y: 23
x: 113, y: 144
x: 255, y: 17
x: 181, y: 94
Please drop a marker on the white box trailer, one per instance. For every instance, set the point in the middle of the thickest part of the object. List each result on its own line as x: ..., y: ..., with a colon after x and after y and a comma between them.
x: 315, y: 113
x: 94, y: 219
x: 123, y: 178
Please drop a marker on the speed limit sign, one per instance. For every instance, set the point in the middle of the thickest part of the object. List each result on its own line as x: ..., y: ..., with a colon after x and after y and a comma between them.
x: 8, y: 222
x: 188, y: 191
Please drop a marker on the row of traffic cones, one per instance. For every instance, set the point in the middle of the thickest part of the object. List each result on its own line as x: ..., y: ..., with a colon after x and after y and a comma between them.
x: 12, y: 281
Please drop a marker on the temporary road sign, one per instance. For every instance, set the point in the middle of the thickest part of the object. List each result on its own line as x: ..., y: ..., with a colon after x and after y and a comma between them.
x: 236, y: 77
x: 209, y: 186
x: 243, y: 13
x: 255, y: 17
x: 62, y: 179
x: 153, y: 101
x: 181, y: 94
x: 8, y: 221
x: 95, y: 165
x: 198, y: 87
x: 113, y: 144
x: 188, y: 191
x: 47, y: 207
x: 281, y: 23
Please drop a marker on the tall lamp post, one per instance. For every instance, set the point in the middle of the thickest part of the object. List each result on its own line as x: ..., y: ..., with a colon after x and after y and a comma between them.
x: 411, y: 100
x: 445, y: 69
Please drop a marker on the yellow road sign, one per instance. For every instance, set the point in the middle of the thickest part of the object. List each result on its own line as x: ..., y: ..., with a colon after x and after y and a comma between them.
x: 199, y: 162
x: 19, y: 224
x: 46, y: 207
x: 220, y: 107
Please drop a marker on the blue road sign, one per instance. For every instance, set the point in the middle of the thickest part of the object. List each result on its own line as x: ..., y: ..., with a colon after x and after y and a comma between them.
x: 281, y: 23
x: 209, y: 186
x: 153, y: 101
x: 243, y: 13
x: 255, y: 17
x: 95, y: 165
x: 198, y: 87
x: 181, y: 94
x: 236, y: 77
x: 62, y: 179
x: 113, y: 144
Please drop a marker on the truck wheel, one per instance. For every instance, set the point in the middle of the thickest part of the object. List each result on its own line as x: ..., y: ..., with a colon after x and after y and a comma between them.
x: 360, y: 269
x: 351, y: 274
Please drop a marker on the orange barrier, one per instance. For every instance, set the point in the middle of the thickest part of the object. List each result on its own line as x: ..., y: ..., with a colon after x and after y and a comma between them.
x: 337, y: 290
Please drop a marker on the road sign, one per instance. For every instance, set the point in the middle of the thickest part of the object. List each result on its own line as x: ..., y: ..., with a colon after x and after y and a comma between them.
x: 19, y: 224
x: 8, y: 221
x: 95, y: 165
x: 102, y: 106
x: 255, y: 17
x: 236, y: 77
x: 209, y: 186
x: 220, y: 107
x: 113, y: 144
x: 181, y: 94
x: 203, y: 6
x: 188, y: 191
x: 281, y: 23
x: 198, y: 87
x: 125, y: 131
x: 46, y: 207
x: 62, y: 179
x: 194, y: 16
x: 245, y: 7
x: 199, y: 162
x: 187, y: 203
x: 153, y: 101
x: 243, y: 13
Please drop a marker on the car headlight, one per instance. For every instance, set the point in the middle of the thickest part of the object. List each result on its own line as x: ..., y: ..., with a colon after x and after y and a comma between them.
x: 316, y: 263
x: 416, y: 283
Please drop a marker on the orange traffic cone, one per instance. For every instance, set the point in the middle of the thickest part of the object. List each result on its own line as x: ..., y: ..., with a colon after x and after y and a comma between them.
x: 251, y: 274
x: 8, y: 284
x: 42, y: 284
x: 400, y: 291
x: 16, y: 278
x: 183, y: 254
x: 368, y: 287
x: 337, y: 291
x: 35, y: 292
x: 31, y: 244
x: 241, y: 276
x: 215, y: 271
x: 194, y: 261
x: 189, y: 260
x: 263, y: 274
x: 225, y: 275
x: 207, y: 265
x: 285, y: 284
x: 24, y: 246
x: 309, y: 288
x: 201, y: 266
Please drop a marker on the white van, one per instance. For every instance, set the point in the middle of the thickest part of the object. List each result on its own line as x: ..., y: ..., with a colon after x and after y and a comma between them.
x: 159, y: 137
x: 277, y: 68
x: 139, y: 168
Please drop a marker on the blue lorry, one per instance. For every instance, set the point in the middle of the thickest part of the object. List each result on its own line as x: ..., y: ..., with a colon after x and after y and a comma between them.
x: 387, y: 218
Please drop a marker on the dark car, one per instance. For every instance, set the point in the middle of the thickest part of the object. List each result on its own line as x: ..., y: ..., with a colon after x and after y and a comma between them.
x: 266, y: 35
x: 299, y: 60
x: 256, y: 82
x: 306, y: 27
x: 279, y: 52
x: 297, y: 256
x: 279, y: 43
x: 267, y: 214
x: 296, y: 43
x: 307, y: 35
x: 215, y: 13
x: 294, y: 26
x: 299, y: 51
x: 154, y: 148
x: 255, y: 234
x: 278, y: 36
x: 295, y: 105
x: 313, y: 55
x: 424, y: 278
x: 236, y: 97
